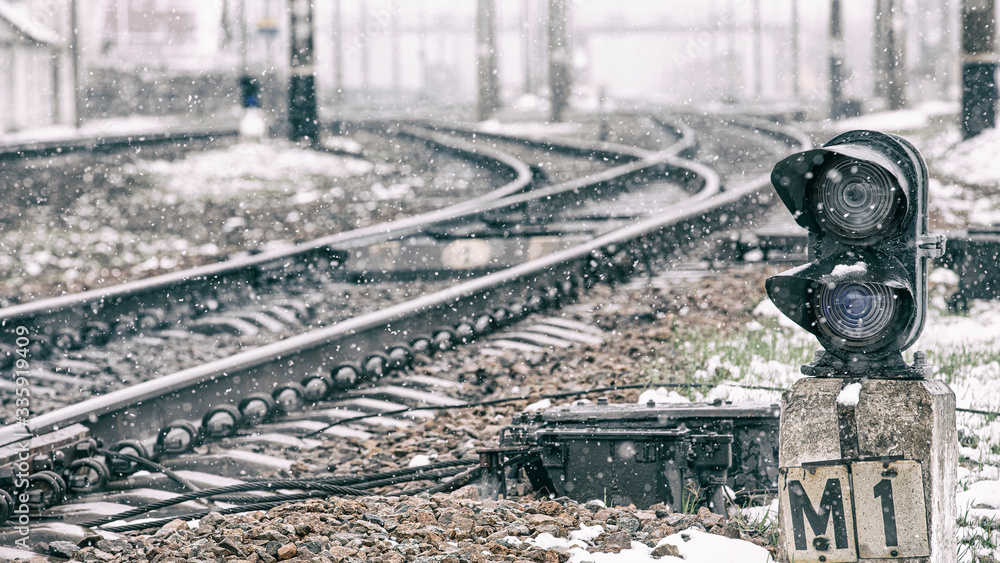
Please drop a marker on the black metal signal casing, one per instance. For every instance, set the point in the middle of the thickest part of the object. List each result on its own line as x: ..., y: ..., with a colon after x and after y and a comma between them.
x: 863, y: 198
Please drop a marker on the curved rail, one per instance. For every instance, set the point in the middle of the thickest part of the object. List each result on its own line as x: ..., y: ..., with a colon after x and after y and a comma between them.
x: 144, y: 409
x: 583, y: 147
x: 108, y: 303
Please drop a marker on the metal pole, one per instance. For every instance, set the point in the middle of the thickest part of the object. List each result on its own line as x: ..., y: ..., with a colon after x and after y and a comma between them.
x: 123, y: 28
x: 560, y: 78
x: 895, y: 55
x: 75, y: 54
x: 364, y: 40
x: 269, y: 63
x: 338, y: 52
x: 880, y: 50
x: 244, y: 36
x: 945, y: 65
x: 836, y: 61
x: 486, y: 50
x: 979, y: 66
x: 735, y: 77
x: 796, y: 92
x: 397, y: 57
x: 527, y: 37
x: 302, y: 115
x: 758, y: 55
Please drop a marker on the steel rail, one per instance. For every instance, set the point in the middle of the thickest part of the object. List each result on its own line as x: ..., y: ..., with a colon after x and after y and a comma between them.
x: 107, y: 304
x: 142, y: 410
x: 580, y: 147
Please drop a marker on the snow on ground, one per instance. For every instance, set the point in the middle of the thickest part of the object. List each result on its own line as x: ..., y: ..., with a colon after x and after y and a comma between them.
x: 532, y: 129
x: 132, y: 125
x: 761, y: 515
x: 661, y: 396
x: 693, y: 545
x: 954, y: 206
x: 538, y: 405
x: 974, y: 161
x: 272, y: 166
x: 915, y: 119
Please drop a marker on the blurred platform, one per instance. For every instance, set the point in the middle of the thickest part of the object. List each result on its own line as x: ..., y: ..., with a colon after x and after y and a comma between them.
x: 103, y: 132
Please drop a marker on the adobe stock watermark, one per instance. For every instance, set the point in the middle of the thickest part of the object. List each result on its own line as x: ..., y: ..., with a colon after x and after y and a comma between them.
x: 378, y: 22
x: 699, y: 47
x: 22, y: 411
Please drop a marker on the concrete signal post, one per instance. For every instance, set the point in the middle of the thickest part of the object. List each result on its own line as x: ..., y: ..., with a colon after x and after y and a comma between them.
x: 868, y: 449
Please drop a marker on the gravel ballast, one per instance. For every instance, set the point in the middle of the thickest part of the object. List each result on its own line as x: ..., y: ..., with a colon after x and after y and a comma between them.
x: 469, y: 524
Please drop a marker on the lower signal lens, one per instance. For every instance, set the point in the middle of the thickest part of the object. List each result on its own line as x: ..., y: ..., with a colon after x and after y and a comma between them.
x: 857, y: 314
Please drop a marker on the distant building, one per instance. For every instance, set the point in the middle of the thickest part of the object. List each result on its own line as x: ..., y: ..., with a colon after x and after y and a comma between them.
x: 36, y: 82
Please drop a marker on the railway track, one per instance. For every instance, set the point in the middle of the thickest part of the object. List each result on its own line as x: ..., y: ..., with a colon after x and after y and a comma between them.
x: 295, y: 389
x: 242, y: 313
x: 234, y: 303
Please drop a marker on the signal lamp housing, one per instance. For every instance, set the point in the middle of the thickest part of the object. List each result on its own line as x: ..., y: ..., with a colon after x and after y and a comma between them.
x: 863, y: 199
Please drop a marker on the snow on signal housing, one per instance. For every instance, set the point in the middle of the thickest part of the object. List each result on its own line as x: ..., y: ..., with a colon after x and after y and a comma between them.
x: 863, y: 199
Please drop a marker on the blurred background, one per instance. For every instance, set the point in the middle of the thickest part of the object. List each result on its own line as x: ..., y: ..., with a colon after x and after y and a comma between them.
x: 170, y: 57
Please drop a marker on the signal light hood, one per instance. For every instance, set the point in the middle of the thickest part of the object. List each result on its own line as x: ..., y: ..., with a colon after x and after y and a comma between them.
x: 792, y: 292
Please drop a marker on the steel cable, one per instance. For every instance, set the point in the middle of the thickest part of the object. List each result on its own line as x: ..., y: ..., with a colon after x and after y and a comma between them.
x: 462, y: 479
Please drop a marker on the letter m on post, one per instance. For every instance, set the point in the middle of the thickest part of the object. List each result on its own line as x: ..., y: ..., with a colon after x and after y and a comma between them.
x: 831, y: 506
x: 816, y: 514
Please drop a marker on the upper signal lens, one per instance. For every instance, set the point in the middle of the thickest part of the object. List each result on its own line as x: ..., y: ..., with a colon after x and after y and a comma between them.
x: 857, y: 201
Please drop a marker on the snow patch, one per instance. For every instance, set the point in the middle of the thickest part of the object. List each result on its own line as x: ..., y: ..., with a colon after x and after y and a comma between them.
x: 919, y: 117
x: 587, y: 533
x: 538, y: 405
x: 974, y: 161
x: 761, y: 515
x: 849, y: 395
x: 419, y: 460
x: 944, y: 276
x: 767, y: 308
x: 842, y: 271
x: 696, y: 546
x: 268, y: 166
x: 661, y: 396
x: 253, y: 125
x: 981, y: 495
x: 511, y: 541
x: 343, y: 144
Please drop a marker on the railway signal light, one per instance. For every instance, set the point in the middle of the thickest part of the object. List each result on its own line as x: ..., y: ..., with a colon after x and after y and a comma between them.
x: 863, y: 199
